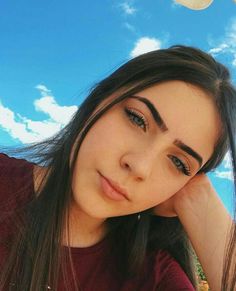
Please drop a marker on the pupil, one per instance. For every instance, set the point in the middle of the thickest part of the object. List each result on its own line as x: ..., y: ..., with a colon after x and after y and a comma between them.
x: 177, y: 162
x: 137, y: 120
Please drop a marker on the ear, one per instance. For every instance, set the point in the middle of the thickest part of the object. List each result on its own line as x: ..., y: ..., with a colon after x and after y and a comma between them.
x: 195, y: 4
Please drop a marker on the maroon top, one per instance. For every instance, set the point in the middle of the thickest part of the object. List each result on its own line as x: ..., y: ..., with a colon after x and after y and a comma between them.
x: 94, y: 265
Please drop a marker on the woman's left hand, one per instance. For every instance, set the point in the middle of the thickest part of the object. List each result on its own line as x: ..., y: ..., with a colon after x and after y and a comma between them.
x: 197, y: 190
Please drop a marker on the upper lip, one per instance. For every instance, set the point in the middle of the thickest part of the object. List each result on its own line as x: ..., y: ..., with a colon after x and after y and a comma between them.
x: 116, y: 187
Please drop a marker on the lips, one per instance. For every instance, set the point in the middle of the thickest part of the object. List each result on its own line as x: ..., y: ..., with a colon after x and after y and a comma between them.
x: 110, y: 185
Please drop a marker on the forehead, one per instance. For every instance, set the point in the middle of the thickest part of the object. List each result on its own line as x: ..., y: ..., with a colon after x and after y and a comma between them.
x: 189, y: 113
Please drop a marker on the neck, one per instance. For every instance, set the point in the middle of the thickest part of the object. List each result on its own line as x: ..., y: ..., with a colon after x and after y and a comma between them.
x: 84, y: 230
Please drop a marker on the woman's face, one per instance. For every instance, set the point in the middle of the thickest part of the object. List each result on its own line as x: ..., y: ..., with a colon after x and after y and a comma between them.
x: 141, y: 156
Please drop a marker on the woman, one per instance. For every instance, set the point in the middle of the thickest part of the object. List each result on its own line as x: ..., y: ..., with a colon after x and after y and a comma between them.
x: 124, y: 185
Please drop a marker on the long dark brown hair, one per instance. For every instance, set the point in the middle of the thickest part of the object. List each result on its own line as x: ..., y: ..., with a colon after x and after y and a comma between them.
x: 35, y: 253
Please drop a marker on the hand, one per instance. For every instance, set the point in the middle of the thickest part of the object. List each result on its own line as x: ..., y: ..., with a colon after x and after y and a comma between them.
x: 206, y: 222
x: 197, y: 190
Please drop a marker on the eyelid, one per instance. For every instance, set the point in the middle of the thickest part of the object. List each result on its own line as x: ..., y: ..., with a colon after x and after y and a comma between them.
x: 187, y: 170
x: 186, y: 161
x: 147, y: 115
x: 139, y: 113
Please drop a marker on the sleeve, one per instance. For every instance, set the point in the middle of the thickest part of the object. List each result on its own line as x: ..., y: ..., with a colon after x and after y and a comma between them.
x: 16, y: 182
x: 169, y: 274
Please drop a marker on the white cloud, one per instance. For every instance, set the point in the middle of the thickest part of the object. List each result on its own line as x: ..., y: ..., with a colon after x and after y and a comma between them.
x: 27, y: 130
x: 234, y: 61
x: 43, y: 89
x: 227, y: 161
x: 227, y: 45
x: 144, y: 45
x: 220, y: 48
x: 127, y: 8
x: 224, y: 175
x: 227, y: 173
x: 129, y: 26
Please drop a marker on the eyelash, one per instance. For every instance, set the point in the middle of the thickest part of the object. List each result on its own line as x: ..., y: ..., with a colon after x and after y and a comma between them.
x: 133, y: 114
x: 184, y: 169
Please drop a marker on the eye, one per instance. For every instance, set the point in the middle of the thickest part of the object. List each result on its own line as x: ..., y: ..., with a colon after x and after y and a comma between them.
x: 180, y: 165
x: 136, y: 118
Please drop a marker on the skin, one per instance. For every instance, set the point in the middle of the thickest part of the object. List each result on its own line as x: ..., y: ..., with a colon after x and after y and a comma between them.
x: 140, y: 161
x: 207, y: 224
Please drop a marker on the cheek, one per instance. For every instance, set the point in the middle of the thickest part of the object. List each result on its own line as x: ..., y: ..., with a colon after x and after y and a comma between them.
x: 102, y: 142
x: 164, y: 188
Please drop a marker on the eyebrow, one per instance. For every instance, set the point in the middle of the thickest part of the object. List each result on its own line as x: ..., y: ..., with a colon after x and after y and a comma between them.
x: 162, y: 125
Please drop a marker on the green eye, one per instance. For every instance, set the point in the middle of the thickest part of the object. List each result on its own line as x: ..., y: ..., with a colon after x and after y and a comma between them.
x: 180, y: 166
x: 136, y: 119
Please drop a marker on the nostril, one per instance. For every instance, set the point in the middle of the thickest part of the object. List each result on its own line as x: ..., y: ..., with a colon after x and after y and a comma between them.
x: 127, y: 166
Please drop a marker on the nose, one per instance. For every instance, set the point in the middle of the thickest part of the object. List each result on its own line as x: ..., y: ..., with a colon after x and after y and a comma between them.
x: 141, y: 163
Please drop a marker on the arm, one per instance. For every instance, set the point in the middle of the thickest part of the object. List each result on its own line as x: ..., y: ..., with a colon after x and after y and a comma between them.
x: 207, y: 224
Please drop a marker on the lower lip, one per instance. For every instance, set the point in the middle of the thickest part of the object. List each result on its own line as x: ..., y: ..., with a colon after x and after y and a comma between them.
x: 110, y: 192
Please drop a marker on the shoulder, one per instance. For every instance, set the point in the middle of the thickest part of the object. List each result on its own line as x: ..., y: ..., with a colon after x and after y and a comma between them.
x: 169, y: 275
x: 18, y: 170
x: 16, y: 180
x: 8, y: 163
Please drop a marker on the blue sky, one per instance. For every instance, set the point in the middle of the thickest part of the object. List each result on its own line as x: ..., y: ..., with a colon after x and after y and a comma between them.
x: 52, y: 52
